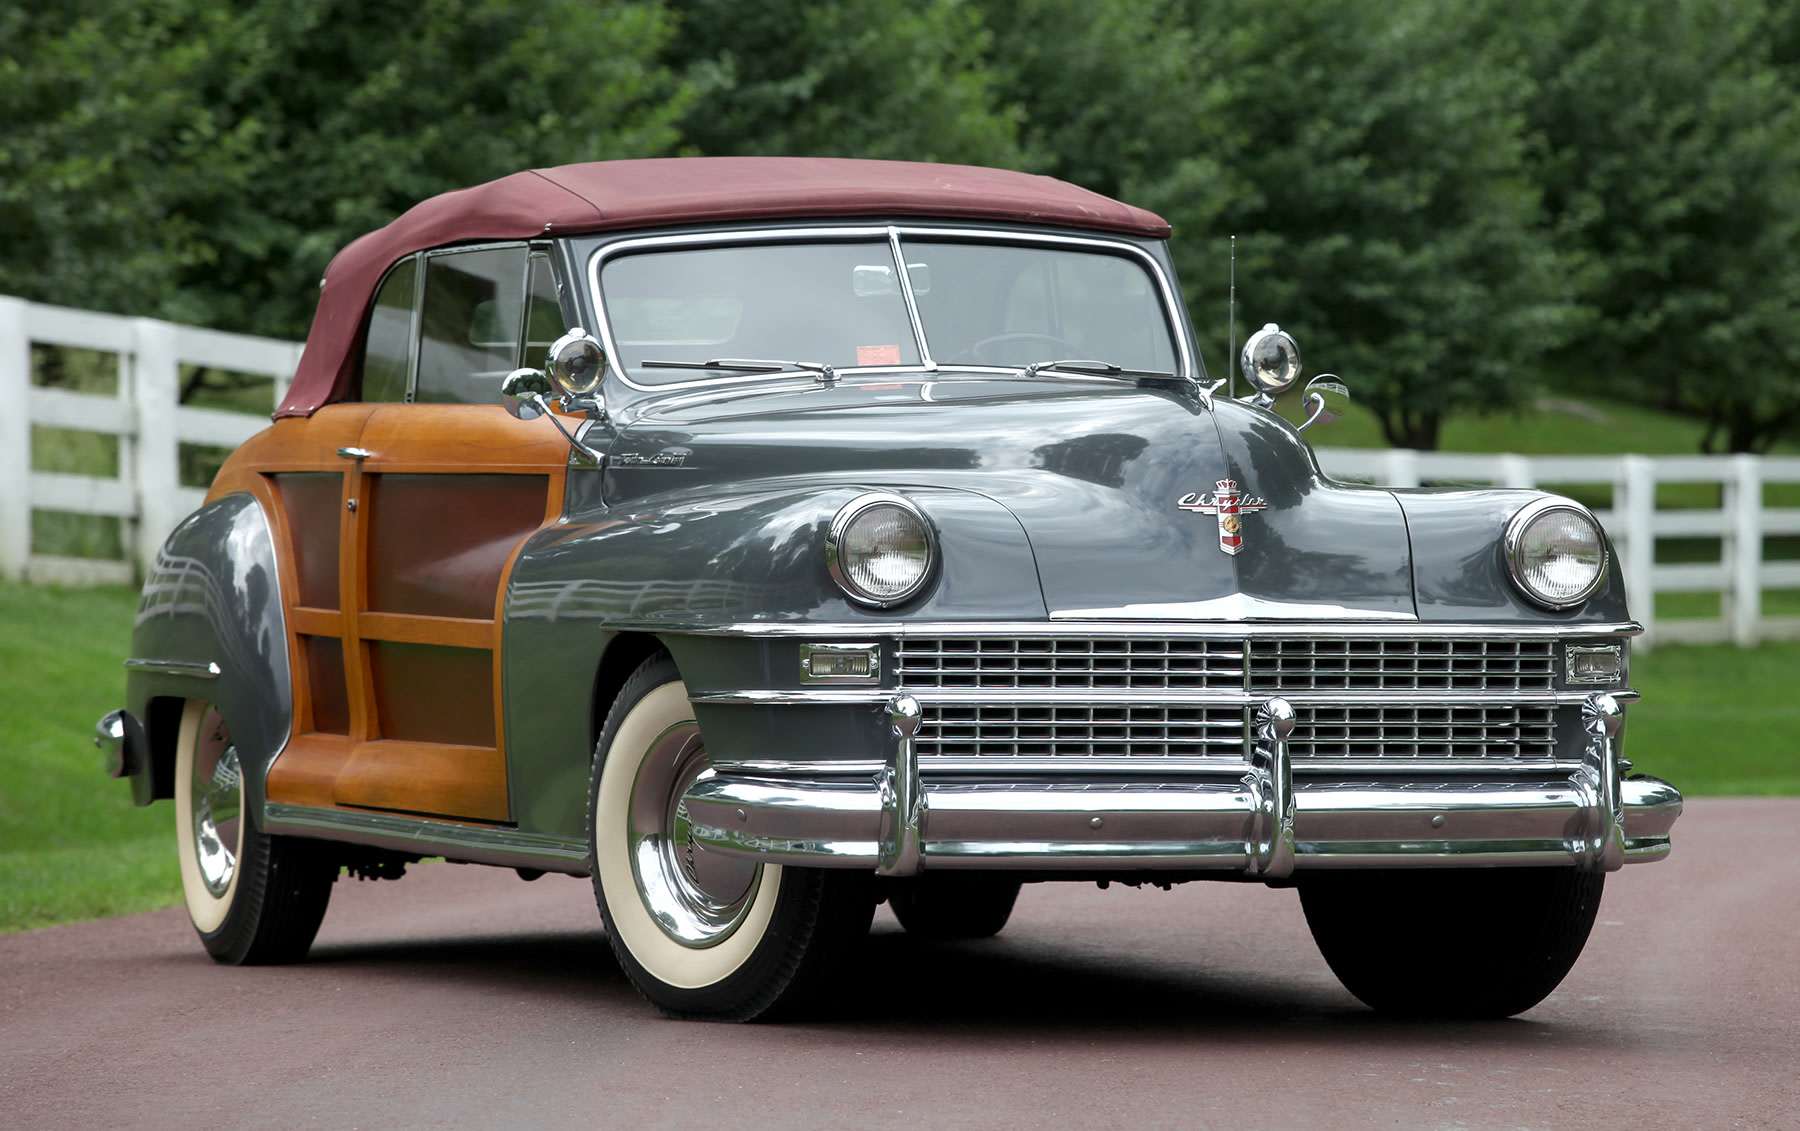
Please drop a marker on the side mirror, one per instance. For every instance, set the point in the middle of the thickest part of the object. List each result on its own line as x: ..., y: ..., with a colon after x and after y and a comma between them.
x: 526, y: 393
x: 1326, y: 400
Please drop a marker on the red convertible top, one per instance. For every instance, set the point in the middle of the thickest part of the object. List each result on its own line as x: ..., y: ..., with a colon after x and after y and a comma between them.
x: 608, y: 195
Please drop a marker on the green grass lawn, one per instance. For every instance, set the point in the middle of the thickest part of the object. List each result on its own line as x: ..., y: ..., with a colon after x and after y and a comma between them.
x: 1714, y: 720
x: 72, y: 846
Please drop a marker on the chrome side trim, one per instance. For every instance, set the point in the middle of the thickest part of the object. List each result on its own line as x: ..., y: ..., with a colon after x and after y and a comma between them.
x: 194, y: 669
x: 1269, y: 833
x: 1175, y: 629
x: 1047, y: 696
x: 903, y: 804
x: 478, y: 844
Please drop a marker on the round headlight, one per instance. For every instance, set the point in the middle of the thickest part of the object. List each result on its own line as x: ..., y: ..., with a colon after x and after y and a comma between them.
x: 1271, y: 361
x: 879, y: 549
x: 575, y: 362
x: 1556, y: 552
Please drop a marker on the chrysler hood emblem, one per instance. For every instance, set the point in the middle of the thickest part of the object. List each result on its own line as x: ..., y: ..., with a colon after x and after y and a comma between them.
x: 1230, y: 504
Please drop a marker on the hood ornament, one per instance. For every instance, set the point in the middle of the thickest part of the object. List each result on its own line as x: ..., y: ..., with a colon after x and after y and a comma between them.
x: 1230, y: 504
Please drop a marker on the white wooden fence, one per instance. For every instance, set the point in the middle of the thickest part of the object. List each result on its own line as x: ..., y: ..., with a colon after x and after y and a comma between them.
x: 1741, y: 523
x: 146, y: 415
x: 151, y: 424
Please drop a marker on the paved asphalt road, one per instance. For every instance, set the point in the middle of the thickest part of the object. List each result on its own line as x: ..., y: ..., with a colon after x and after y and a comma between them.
x: 462, y: 997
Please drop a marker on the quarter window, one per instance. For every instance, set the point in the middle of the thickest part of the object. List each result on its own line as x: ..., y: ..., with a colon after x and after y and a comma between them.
x: 387, y: 355
x: 472, y: 319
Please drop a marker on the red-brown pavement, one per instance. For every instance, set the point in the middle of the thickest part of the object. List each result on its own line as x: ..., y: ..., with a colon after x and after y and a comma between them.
x: 462, y: 997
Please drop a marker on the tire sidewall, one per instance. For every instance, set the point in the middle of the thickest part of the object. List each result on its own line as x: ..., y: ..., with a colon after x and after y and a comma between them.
x: 211, y: 914
x: 653, y: 701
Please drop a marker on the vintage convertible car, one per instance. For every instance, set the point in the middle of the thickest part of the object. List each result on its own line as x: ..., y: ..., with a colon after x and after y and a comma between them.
x: 769, y: 537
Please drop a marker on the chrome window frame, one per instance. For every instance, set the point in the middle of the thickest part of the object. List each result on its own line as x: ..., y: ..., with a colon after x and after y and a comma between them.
x: 892, y: 234
x: 418, y: 323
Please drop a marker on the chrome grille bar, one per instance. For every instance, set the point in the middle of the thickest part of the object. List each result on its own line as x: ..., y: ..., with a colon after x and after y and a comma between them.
x: 1084, y: 731
x: 1424, y: 731
x: 1508, y: 666
x: 1137, y: 664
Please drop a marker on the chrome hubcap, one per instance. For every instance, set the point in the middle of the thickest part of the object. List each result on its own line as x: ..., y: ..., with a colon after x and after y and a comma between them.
x: 697, y: 897
x: 216, y: 791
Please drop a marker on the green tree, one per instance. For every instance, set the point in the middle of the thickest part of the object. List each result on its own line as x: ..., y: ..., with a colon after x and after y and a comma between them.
x: 1667, y: 141
x: 1368, y: 156
x: 202, y: 160
x: 842, y: 78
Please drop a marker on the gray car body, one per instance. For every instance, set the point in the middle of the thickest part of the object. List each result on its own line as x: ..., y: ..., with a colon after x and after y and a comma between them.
x: 1050, y: 497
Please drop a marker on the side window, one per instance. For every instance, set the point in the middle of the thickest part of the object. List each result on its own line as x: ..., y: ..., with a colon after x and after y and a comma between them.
x: 388, y: 354
x: 543, y: 315
x: 473, y: 315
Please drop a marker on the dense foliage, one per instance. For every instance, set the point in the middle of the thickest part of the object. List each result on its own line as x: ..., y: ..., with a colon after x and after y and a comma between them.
x: 1454, y: 204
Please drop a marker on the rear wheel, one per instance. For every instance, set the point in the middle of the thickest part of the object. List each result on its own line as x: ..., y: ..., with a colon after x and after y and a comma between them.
x: 702, y: 935
x: 254, y: 899
x: 953, y: 905
x: 1452, y: 942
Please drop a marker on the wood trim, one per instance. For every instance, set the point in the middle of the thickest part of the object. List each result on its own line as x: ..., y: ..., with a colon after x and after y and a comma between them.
x: 425, y: 777
x: 315, y: 622
x: 457, y: 632
x: 306, y: 772
x: 353, y: 540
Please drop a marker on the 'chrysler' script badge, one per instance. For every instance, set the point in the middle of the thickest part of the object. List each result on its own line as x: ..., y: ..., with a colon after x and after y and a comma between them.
x: 1230, y: 504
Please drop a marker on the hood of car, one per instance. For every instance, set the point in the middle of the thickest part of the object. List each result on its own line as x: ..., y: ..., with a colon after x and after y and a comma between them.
x: 1138, y: 503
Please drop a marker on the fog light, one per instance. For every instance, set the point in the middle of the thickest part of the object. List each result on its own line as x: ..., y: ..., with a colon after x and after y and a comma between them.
x: 1595, y: 663
x: 840, y: 663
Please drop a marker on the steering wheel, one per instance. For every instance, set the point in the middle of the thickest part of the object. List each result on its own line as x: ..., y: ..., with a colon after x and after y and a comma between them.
x: 977, y: 354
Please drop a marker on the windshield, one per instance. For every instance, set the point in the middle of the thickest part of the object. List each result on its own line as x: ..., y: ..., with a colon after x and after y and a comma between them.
x: 841, y: 304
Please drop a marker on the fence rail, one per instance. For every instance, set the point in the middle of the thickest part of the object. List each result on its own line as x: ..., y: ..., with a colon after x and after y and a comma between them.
x: 146, y: 414
x: 1741, y: 522
x: 148, y: 498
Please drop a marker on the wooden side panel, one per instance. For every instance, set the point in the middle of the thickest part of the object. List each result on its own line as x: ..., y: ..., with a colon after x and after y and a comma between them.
x: 409, y: 631
x: 438, y: 543
x: 312, y: 502
x: 418, y: 777
x: 325, y: 677
x: 428, y: 693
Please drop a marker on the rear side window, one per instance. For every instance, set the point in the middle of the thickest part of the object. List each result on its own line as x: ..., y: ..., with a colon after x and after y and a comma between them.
x: 471, y: 325
x: 387, y: 356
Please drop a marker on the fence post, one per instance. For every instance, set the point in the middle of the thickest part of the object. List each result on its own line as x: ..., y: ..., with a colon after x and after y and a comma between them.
x: 1744, y: 610
x: 1638, y: 510
x: 157, y: 383
x: 1402, y: 467
x: 15, y: 439
x: 1515, y: 471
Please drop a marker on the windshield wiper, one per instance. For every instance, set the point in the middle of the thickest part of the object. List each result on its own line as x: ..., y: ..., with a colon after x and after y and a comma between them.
x: 748, y: 365
x: 1106, y: 369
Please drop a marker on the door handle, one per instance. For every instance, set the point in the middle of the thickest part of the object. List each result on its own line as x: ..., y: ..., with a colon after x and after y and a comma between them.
x: 354, y: 453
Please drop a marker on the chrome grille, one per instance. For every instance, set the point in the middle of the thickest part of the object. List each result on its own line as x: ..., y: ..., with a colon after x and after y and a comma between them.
x: 1423, y: 731
x: 1086, y: 730
x: 1072, y: 664
x: 1289, y: 666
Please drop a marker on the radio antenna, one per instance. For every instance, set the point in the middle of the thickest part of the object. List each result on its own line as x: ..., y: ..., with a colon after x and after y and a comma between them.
x: 1231, y: 365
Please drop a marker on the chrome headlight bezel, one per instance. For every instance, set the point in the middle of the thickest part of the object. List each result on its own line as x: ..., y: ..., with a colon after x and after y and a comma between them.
x: 1520, y: 525
x: 834, y: 546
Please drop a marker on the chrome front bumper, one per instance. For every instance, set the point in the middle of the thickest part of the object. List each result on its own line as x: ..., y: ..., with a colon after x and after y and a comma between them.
x: 1260, y: 821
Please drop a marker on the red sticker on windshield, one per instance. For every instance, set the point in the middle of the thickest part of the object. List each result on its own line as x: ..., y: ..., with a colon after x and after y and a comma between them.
x: 878, y: 355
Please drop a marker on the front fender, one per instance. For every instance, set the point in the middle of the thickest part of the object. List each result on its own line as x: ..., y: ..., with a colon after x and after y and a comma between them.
x: 210, y: 626
x: 687, y: 566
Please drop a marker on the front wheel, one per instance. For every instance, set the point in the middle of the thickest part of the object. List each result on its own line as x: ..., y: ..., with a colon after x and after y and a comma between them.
x: 254, y: 899
x: 702, y: 935
x: 1452, y: 942
x: 953, y: 905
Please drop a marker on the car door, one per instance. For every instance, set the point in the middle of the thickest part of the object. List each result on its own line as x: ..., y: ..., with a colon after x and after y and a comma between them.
x: 438, y: 492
